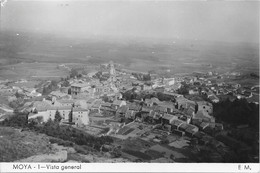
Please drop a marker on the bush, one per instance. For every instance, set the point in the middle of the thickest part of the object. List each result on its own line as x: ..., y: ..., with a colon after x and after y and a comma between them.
x: 81, y: 149
x: 61, y: 142
x: 16, y: 120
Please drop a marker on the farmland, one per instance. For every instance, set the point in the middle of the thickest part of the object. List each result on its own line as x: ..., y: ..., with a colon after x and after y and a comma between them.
x: 32, y: 71
x: 19, y: 55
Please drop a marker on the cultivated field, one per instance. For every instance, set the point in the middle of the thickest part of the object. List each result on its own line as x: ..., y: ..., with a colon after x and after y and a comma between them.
x: 33, y: 71
x: 185, y: 56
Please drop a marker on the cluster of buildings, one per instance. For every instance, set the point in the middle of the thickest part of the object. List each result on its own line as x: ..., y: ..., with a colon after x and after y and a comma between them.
x: 101, y: 94
x: 208, y: 84
x: 78, y: 99
x: 84, y: 96
x: 46, y: 109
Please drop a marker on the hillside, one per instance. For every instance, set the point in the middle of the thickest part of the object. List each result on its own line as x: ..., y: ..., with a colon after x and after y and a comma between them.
x: 15, y: 145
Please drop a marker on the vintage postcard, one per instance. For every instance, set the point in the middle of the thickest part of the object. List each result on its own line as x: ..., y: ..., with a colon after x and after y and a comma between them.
x: 135, y: 86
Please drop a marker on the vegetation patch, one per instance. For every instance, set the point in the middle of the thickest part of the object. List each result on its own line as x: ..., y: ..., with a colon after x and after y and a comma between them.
x: 138, y: 154
x: 16, y: 145
x: 64, y: 132
x: 61, y: 142
x: 237, y: 112
x: 154, y: 154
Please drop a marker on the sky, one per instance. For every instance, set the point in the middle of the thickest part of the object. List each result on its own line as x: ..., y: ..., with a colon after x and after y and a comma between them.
x: 228, y: 21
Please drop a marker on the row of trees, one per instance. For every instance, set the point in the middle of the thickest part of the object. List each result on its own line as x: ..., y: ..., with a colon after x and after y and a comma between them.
x: 132, y: 95
x: 74, y: 73
x: 54, y: 129
x: 68, y: 133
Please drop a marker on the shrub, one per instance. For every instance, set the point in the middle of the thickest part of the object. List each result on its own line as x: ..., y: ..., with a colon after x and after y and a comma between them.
x: 81, y: 149
x: 57, y: 116
x: 61, y: 142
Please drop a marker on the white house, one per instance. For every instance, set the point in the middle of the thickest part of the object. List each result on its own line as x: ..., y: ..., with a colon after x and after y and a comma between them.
x: 64, y: 112
x: 81, y: 117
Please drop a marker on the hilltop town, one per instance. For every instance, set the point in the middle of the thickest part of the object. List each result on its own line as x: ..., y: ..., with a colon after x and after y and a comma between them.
x: 140, y: 117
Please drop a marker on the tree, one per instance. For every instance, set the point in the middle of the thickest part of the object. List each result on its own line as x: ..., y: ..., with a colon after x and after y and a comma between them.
x: 57, y: 116
x: 79, y: 76
x: 147, y: 77
x: 105, y: 98
x: 16, y: 104
x: 183, y: 90
x: 53, y: 83
x: 18, y: 95
x: 16, y: 120
x: 45, y: 91
x: 65, y: 83
x: 196, y: 107
x: 70, y: 116
x: 176, y: 105
x: 73, y: 73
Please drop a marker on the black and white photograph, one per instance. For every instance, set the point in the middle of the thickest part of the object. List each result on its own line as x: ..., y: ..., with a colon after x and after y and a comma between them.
x: 129, y: 82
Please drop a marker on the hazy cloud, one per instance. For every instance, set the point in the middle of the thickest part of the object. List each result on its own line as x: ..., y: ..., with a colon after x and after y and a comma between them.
x: 218, y: 20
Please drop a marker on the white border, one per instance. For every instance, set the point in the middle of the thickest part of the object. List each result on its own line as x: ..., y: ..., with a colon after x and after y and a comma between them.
x: 132, y: 167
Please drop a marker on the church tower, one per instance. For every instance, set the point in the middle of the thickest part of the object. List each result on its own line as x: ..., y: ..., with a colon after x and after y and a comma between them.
x: 112, y: 71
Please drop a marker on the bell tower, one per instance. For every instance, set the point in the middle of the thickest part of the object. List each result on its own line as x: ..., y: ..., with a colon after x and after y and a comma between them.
x: 112, y: 71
